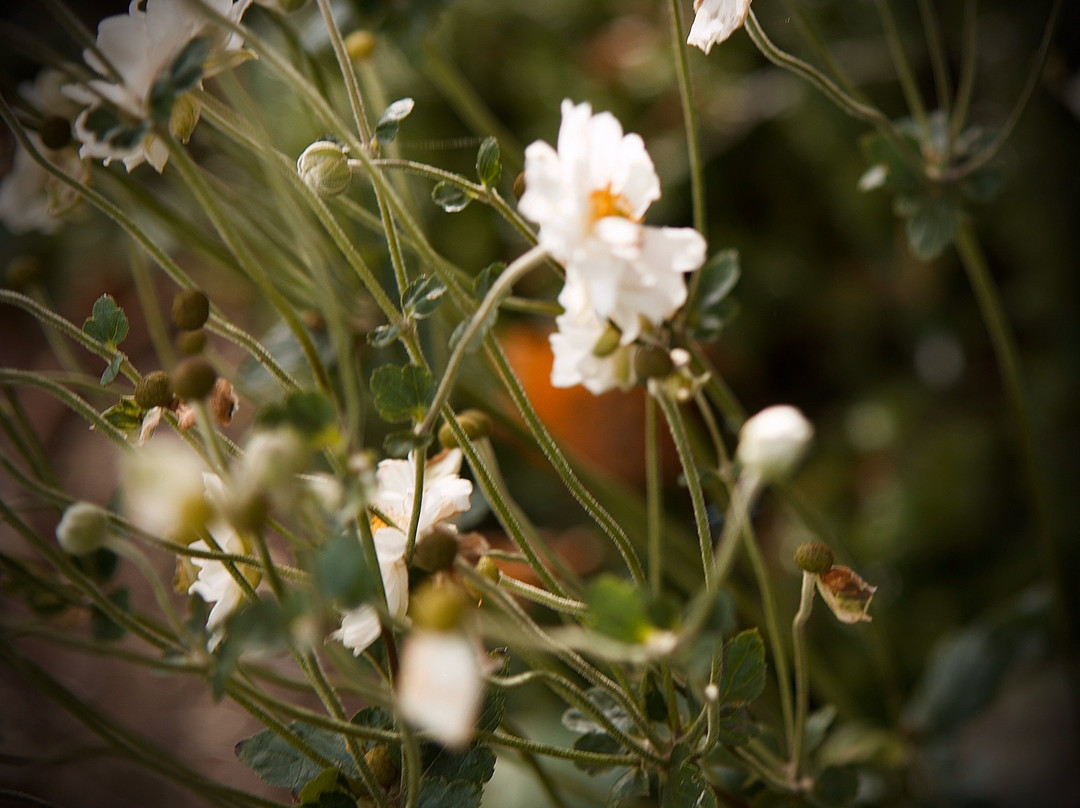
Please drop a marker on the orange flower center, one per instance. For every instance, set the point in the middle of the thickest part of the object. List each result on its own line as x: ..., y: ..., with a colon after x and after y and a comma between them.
x: 376, y: 522
x: 604, y: 203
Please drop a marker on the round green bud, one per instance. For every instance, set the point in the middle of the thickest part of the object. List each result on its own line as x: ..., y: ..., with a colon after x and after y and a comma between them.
x: 436, y: 552
x: 487, y: 567
x: 519, y: 186
x: 82, y: 528
x: 360, y: 45
x: 55, y: 132
x: 652, y: 362
x: 190, y: 343
x: 438, y: 607
x: 474, y: 423
x: 382, y: 765
x: 324, y: 168
x: 190, y: 309
x: 814, y: 557
x: 608, y: 343
x: 154, y: 390
x: 193, y: 378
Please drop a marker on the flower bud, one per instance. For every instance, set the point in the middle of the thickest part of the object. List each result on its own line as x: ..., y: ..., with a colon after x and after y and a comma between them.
x: 360, y: 45
x: 193, y: 378
x: 436, y: 552
x: 815, y: 557
x: 608, y: 342
x: 438, y: 607
x: 154, y: 390
x: 324, y: 168
x: 651, y: 362
x: 474, y: 423
x: 773, y: 442
x: 55, y: 132
x: 382, y: 765
x: 519, y: 186
x: 846, y: 594
x: 190, y: 343
x: 273, y: 457
x: 185, y: 114
x: 190, y: 309
x: 82, y: 528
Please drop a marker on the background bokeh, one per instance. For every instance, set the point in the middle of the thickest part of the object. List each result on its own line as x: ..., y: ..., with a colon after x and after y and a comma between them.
x: 915, y: 474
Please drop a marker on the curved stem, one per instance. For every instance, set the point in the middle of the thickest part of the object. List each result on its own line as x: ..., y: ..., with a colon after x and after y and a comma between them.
x: 690, y: 119
x: 574, y: 608
x: 356, y: 101
x: 900, y: 61
x: 802, y: 679
x: 936, y: 46
x: 970, y: 61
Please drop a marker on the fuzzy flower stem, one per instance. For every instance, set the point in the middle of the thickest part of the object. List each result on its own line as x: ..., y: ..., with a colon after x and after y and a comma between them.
x: 419, y: 465
x: 356, y: 100
x: 690, y: 121
x: 908, y: 83
x: 802, y: 671
x: 673, y: 416
x: 654, y: 498
x: 574, y: 608
x: 487, y: 307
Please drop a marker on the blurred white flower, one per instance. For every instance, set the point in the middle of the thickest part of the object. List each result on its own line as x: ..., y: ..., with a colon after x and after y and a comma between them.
x: 163, y: 490
x: 441, y: 686
x: 589, y: 198
x: 772, y: 442
x: 141, y: 46
x: 360, y: 627
x: 574, y: 345
x: 715, y: 21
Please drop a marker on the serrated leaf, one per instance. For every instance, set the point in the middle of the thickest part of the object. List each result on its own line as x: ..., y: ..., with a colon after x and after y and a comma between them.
x: 478, y: 337
x: 423, y: 296
x: 404, y: 441
x: 386, y: 129
x: 278, y: 763
x: 402, y: 393
x: 475, y: 764
x: 687, y: 787
x: 107, y: 322
x: 984, y: 185
x: 735, y: 728
x: 576, y: 720
x: 491, y: 713
x: 655, y: 704
x: 489, y: 162
x: 601, y: 743
x: 449, y: 197
x: 817, y: 726
x: 836, y: 786
x: 930, y: 226
x: 742, y: 677
x: 440, y: 793
x: 632, y: 784
x: 102, y: 626
x: 125, y: 415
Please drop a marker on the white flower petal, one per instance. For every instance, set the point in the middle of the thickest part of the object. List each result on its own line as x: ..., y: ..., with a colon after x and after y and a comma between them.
x: 440, y: 687
x: 715, y: 21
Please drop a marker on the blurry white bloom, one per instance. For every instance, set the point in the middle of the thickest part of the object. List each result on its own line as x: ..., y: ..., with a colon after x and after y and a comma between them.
x: 142, y: 46
x: 589, y: 198
x: 441, y: 686
x: 772, y: 442
x: 715, y: 21
x: 360, y: 627
x: 444, y: 496
x: 272, y: 458
x: 82, y: 528
x: 580, y: 331
x: 163, y: 490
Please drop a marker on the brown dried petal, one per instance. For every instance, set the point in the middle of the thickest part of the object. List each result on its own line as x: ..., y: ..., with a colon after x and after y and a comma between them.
x: 846, y: 594
x: 223, y: 402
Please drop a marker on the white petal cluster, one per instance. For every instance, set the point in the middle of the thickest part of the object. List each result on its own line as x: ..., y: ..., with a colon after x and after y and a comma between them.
x: 589, y: 197
x: 163, y: 490
x: 715, y: 21
x: 772, y: 442
x: 215, y: 584
x: 140, y: 46
x: 444, y: 495
x: 441, y: 686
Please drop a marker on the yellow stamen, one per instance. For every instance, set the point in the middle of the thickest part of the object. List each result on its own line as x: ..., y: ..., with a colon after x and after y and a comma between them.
x: 605, y: 203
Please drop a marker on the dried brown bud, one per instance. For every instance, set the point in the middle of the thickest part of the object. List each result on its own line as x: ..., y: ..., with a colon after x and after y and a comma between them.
x: 223, y: 402
x: 846, y: 594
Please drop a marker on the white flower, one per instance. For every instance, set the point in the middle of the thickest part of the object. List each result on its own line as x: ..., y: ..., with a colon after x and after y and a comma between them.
x: 163, y: 490
x: 360, y: 627
x: 715, y: 21
x: 574, y: 344
x: 441, y: 686
x: 589, y: 198
x: 772, y: 442
x: 141, y: 45
x: 444, y: 496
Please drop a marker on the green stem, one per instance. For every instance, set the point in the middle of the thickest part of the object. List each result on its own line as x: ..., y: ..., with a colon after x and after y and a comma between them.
x: 654, y: 494
x: 690, y: 120
x: 940, y: 64
x: 802, y: 680
x: 73, y: 402
x: 900, y: 61
x: 569, y: 606
x: 356, y: 101
x: 968, y: 66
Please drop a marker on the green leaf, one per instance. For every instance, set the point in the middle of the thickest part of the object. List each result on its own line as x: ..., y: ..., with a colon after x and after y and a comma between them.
x: 489, y: 162
x: 491, y: 714
x: 984, y: 185
x: 617, y: 608
x: 438, y: 793
x: 383, y: 335
x: 423, y: 296
x: 483, y: 280
x: 108, y: 376
x: 709, y: 310
x: 481, y: 332
x: 260, y: 625
x: 125, y: 415
x: 686, y: 786
x: 309, y: 413
x: 107, y: 322
x: 475, y: 764
x: 735, y: 727
x: 836, y: 786
x: 278, y: 763
x: 187, y: 67
x: 742, y: 678
x: 101, y: 626
x: 930, y: 224
x: 628, y: 788
x: 386, y: 129
x: 402, y: 393
x: 601, y: 743
x: 341, y: 572
x: 577, y: 721
x: 323, y: 787
x: 878, y: 151
x: 404, y: 441
x: 817, y: 726
x: 449, y: 197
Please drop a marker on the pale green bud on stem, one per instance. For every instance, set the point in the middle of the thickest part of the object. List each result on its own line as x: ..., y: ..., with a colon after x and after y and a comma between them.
x: 360, y: 45
x: 474, y: 423
x: 324, y: 168
x: 814, y: 557
x: 436, y: 552
x: 82, y: 528
x: 772, y: 443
